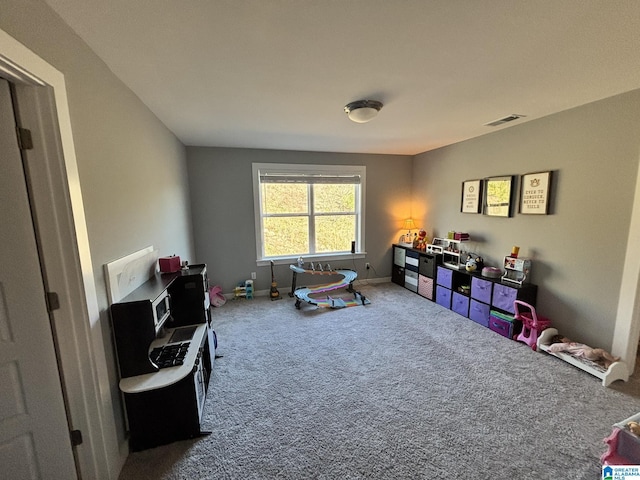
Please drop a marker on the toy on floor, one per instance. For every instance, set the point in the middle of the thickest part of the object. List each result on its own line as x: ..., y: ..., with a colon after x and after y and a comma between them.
x: 244, y: 290
x: 304, y: 293
x: 580, y: 350
x: 274, y: 293
x: 216, y: 297
x: 615, y: 371
x: 532, y: 324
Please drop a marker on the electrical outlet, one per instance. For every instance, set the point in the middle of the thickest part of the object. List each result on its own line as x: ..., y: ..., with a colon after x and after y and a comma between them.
x: 253, y: 275
x: 367, y: 265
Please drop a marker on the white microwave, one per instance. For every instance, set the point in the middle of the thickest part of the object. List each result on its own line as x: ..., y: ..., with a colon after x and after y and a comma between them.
x: 161, y: 308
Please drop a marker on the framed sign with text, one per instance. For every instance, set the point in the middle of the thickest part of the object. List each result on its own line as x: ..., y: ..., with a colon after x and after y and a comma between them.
x: 534, y: 193
x: 471, y: 196
x: 498, y: 196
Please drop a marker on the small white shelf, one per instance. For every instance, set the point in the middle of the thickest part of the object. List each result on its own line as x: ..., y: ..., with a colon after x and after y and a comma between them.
x: 451, y: 252
x: 616, y: 371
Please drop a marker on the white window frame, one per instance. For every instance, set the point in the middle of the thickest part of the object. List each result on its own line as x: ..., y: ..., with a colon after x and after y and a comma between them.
x: 259, y: 169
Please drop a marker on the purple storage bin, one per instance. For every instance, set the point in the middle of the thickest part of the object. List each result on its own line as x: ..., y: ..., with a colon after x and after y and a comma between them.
x: 501, y: 326
x: 479, y: 312
x: 503, y: 297
x: 444, y: 277
x: 481, y: 289
x: 460, y: 304
x: 443, y: 296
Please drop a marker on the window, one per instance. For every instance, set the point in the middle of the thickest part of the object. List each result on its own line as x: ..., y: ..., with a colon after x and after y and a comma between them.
x: 308, y: 210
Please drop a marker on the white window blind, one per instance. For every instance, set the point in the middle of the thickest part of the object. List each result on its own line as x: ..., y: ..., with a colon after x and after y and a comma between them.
x: 313, y: 211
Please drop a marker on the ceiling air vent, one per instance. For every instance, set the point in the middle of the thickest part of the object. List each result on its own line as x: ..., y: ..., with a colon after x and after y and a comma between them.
x: 501, y: 121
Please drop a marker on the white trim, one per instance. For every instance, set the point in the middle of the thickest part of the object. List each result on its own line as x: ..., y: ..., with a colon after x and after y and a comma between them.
x: 126, y: 274
x: 333, y: 257
x: 331, y: 170
x: 627, y: 327
x: 67, y: 260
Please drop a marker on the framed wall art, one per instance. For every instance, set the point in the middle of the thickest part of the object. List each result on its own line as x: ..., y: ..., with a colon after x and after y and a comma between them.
x: 498, y: 198
x: 534, y: 193
x: 471, y: 201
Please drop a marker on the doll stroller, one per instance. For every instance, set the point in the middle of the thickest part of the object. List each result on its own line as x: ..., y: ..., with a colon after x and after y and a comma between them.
x: 532, y: 324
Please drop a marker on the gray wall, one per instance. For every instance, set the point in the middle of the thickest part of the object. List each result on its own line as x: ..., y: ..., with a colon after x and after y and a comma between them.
x: 135, y: 190
x: 577, y: 251
x: 220, y: 182
x: 132, y: 169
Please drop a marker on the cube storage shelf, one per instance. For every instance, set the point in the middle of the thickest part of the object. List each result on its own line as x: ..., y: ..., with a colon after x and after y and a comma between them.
x: 486, y: 301
x: 415, y: 270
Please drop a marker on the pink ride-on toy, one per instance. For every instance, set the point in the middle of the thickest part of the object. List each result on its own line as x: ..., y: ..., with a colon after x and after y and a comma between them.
x: 532, y: 324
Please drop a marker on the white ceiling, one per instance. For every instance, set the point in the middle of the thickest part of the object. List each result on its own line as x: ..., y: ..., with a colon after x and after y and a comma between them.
x: 277, y: 73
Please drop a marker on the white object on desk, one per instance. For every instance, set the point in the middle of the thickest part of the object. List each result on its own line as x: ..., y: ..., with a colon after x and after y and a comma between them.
x: 128, y: 273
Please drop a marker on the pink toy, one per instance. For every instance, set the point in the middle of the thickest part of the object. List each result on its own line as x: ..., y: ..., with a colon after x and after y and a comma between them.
x: 532, y: 325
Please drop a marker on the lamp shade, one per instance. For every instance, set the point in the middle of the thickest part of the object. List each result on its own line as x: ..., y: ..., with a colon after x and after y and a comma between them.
x: 362, y: 111
x: 409, y: 224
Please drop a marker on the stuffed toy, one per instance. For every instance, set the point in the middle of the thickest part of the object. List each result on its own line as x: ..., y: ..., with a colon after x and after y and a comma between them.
x: 634, y: 427
x: 421, y: 242
x: 474, y: 263
x: 580, y: 350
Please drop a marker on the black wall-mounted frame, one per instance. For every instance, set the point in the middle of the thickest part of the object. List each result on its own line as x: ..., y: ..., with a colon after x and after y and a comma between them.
x: 499, y: 196
x: 535, y: 192
x: 471, y: 200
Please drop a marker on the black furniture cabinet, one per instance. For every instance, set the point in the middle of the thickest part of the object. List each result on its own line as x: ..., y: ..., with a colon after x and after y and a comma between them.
x: 474, y: 296
x: 134, y: 320
x: 189, y: 297
x: 167, y: 406
x: 467, y: 293
x: 398, y: 266
x: 190, y: 300
x: 415, y: 270
x: 165, y: 349
x: 428, y: 273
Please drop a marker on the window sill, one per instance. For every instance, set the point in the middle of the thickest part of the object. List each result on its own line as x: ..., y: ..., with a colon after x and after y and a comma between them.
x: 332, y: 257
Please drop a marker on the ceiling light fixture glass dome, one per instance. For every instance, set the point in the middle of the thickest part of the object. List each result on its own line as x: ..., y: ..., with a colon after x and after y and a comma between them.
x: 362, y: 111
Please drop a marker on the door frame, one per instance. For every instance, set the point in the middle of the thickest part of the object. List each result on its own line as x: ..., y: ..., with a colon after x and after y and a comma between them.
x: 626, y: 333
x: 66, y: 256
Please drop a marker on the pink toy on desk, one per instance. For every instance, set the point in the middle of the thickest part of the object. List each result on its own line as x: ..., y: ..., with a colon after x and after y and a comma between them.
x: 532, y: 324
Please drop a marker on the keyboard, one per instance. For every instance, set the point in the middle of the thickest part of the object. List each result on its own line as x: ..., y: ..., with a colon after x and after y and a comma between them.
x: 171, y: 355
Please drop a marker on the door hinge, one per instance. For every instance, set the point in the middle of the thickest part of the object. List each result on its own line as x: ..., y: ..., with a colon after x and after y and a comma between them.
x: 53, y: 301
x: 76, y: 438
x: 25, y: 142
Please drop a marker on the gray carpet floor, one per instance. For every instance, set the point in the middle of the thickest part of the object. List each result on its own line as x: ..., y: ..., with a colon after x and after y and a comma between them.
x: 399, y: 389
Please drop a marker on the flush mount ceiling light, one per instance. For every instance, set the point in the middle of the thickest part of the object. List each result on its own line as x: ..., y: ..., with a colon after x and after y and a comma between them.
x: 362, y: 111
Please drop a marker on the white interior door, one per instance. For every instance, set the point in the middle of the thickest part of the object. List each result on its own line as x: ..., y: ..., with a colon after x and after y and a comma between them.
x: 34, y: 432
